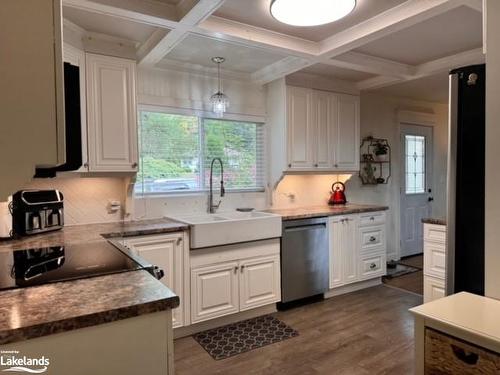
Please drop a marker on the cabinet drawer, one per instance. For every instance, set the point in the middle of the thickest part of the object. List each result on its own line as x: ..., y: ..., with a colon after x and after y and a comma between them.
x: 372, y: 266
x: 434, y: 288
x: 372, y: 218
x: 434, y: 259
x: 372, y: 238
x: 435, y: 233
x: 447, y: 355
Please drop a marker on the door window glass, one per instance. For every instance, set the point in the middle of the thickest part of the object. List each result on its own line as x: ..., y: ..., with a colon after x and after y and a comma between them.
x: 415, y: 164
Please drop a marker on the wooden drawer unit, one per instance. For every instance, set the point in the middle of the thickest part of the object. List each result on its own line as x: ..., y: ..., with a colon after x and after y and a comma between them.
x: 434, y: 259
x: 372, y: 266
x: 446, y: 355
x: 372, y: 238
x: 372, y: 218
x: 436, y: 233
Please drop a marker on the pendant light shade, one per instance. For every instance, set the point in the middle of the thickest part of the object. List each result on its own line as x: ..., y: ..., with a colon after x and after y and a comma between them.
x: 219, y: 100
x: 310, y: 12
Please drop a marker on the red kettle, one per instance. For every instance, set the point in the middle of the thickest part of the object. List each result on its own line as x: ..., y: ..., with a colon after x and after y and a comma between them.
x: 338, y: 194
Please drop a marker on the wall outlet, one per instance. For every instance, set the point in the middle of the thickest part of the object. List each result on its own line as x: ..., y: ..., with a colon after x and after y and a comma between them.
x: 114, y: 206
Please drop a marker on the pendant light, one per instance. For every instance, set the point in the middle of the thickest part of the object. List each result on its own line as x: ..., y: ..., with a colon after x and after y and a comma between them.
x: 310, y: 12
x: 219, y: 100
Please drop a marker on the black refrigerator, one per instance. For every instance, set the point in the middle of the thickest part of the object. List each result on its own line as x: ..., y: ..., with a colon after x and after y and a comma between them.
x: 466, y: 186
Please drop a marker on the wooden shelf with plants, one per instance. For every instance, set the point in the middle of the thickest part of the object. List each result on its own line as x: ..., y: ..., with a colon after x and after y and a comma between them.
x: 375, y: 161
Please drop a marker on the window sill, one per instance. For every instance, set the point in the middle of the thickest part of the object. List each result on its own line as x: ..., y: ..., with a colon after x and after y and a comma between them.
x: 197, y: 193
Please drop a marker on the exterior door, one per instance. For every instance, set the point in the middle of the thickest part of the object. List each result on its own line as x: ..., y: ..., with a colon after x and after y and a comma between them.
x: 416, y: 168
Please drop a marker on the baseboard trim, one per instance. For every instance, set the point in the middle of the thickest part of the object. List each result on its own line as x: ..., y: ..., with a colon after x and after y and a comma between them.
x: 222, y: 321
x: 353, y: 287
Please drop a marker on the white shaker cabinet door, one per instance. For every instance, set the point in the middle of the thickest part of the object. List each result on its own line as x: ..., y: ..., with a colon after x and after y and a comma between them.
x: 300, y: 129
x: 112, y: 114
x: 166, y: 252
x: 259, y: 282
x: 214, y: 291
x: 347, y: 135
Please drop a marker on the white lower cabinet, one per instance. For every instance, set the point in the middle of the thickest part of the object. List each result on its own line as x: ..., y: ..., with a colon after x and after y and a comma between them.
x: 226, y: 280
x: 434, y: 288
x: 170, y: 253
x: 214, y: 291
x: 357, y: 248
x: 434, y: 262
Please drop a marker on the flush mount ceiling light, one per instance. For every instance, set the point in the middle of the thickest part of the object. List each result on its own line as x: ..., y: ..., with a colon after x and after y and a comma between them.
x: 219, y: 100
x: 310, y: 12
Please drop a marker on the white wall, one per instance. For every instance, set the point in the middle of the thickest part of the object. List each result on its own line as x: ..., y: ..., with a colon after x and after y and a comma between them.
x: 86, y: 199
x: 492, y: 250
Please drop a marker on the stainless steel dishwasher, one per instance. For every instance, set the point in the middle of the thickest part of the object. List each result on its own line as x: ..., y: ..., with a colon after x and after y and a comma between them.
x: 304, y: 258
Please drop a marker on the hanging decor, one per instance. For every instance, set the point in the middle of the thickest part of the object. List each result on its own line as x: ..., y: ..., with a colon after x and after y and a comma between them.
x: 375, y: 161
x: 219, y: 100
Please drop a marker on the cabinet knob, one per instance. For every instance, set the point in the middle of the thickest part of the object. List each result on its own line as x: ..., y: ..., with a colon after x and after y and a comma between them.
x: 372, y: 266
x: 372, y: 218
x: 373, y: 239
x: 336, y: 165
x: 85, y: 165
x: 236, y: 269
x: 316, y: 165
x: 289, y: 165
x: 242, y: 268
x: 134, y: 165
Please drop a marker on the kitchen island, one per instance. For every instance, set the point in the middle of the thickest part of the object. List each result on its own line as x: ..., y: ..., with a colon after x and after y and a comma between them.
x: 119, y: 323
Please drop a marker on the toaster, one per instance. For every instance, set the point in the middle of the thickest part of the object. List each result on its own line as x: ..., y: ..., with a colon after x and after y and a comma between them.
x: 37, y: 211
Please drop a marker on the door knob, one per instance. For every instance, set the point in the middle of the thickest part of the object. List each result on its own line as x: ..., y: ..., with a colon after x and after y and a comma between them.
x: 430, y: 199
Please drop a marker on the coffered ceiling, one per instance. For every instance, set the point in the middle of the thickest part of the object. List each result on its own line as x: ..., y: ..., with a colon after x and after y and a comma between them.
x: 382, y: 43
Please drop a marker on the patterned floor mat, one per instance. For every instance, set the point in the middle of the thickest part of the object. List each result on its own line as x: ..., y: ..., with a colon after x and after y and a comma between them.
x: 233, y: 339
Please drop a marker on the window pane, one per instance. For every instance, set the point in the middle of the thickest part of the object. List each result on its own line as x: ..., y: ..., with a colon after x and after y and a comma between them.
x: 239, y: 145
x: 169, y: 148
x: 415, y: 164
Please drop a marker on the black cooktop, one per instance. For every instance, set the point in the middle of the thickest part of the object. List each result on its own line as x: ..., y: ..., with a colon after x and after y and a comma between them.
x: 24, y: 268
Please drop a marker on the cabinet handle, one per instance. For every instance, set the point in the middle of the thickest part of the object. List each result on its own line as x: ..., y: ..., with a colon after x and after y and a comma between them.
x: 373, y: 239
x: 372, y: 266
x: 236, y: 269
x: 242, y: 268
x: 336, y: 165
x: 464, y: 356
x: 134, y: 165
x: 372, y: 218
x: 85, y: 165
x: 179, y: 241
x: 316, y: 165
x: 289, y: 165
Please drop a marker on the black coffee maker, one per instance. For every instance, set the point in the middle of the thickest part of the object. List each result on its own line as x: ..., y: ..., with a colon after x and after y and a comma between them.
x: 37, y: 211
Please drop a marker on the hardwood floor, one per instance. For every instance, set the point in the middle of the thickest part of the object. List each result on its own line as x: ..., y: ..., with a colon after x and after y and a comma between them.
x: 367, y: 332
x: 413, y: 282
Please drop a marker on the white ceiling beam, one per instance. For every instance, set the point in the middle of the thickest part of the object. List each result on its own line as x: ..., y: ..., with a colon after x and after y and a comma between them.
x: 395, y: 19
x: 279, y: 69
x: 192, y: 12
x: 430, y: 68
x: 146, y: 12
x: 251, y: 36
x: 371, y: 64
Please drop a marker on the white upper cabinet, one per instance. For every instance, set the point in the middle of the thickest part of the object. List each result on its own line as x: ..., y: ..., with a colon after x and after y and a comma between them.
x: 300, y: 132
x: 112, y: 114
x: 32, y: 93
x: 346, y: 141
x: 311, y: 130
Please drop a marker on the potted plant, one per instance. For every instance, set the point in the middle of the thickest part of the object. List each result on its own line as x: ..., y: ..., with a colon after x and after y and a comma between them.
x: 381, y: 150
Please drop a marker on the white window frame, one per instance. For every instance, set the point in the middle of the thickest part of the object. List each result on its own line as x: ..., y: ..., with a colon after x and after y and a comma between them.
x: 206, y: 115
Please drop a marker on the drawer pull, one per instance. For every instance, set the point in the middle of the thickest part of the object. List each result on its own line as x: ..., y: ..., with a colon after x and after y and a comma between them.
x: 372, y: 266
x: 466, y: 357
x: 373, y: 239
x: 372, y: 218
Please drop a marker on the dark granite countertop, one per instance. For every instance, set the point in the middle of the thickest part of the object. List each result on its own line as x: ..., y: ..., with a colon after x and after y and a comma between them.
x: 318, y: 211
x: 91, y: 232
x: 27, y: 313
x: 435, y: 221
